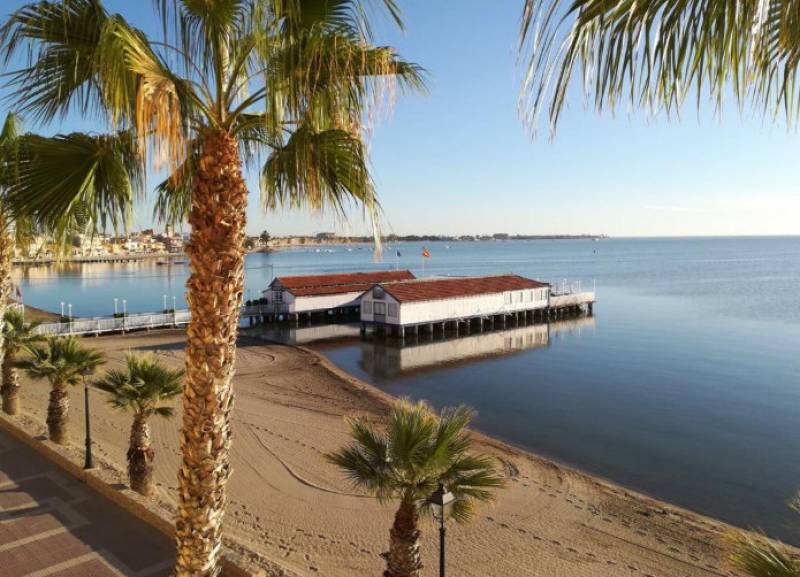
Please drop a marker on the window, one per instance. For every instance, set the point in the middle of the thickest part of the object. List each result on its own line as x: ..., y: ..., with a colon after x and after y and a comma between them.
x: 529, y: 296
x: 368, y: 307
x: 519, y: 297
x: 507, y: 298
x: 277, y: 296
x: 380, y: 308
x: 393, y: 310
x: 378, y: 292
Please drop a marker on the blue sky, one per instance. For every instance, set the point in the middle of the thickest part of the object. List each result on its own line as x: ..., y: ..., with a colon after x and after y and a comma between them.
x: 459, y: 160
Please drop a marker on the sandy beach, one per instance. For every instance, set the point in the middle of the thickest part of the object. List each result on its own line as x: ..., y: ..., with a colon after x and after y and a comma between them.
x: 292, y: 507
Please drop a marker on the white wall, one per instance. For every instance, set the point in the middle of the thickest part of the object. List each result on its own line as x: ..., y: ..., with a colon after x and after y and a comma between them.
x: 411, y: 313
x: 322, y: 302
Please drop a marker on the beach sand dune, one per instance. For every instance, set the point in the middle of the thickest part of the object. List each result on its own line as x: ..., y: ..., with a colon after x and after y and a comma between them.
x: 291, y: 506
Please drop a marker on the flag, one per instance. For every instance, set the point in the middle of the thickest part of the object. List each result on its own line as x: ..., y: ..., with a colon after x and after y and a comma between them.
x: 425, y: 253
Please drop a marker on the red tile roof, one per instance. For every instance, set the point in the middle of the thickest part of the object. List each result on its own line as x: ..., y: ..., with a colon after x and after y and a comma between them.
x: 305, y: 291
x: 340, y: 283
x: 447, y: 288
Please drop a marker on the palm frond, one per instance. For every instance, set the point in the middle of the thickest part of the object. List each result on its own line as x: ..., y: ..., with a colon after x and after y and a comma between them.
x: 655, y: 53
x: 17, y: 333
x: 63, y: 359
x: 63, y: 177
x: 416, y: 452
x: 143, y: 387
x: 763, y: 558
x: 60, y: 40
x: 317, y: 170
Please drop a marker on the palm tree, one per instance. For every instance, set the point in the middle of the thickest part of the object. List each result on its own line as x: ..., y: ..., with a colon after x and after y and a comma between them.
x: 229, y: 82
x: 655, y: 53
x: 144, y: 388
x: 63, y: 362
x: 18, y: 336
x: 416, y: 452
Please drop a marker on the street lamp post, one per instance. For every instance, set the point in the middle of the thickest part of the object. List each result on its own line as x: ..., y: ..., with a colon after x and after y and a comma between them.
x: 440, y: 501
x: 62, y: 309
x: 88, y: 462
x: 124, y: 313
x: 165, y: 303
x: 69, y: 316
x: 115, y: 307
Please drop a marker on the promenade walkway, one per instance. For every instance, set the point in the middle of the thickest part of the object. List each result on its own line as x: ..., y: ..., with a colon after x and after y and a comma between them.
x: 51, y: 525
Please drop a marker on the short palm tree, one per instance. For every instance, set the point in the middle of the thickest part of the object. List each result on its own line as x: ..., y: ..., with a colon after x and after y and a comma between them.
x: 146, y: 387
x: 63, y: 362
x: 407, y: 461
x: 230, y: 82
x: 18, y: 336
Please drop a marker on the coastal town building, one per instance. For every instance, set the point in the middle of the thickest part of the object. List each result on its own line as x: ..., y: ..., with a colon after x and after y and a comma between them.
x: 295, y: 295
x: 439, y: 302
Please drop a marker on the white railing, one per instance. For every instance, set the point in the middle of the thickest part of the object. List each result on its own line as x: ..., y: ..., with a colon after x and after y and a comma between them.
x: 131, y: 322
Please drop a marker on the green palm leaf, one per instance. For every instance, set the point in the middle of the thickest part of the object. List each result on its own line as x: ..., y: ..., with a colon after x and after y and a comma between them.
x: 416, y: 452
x: 656, y: 53
x: 143, y: 387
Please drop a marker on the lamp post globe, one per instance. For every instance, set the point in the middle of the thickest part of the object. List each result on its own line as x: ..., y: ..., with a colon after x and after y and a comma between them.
x: 440, y: 501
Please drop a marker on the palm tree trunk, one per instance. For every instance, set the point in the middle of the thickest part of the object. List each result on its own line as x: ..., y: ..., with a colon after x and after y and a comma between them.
x: 214, y: 295
x: 10, y: 387
x: 57, y: 413
x: 140, y: 457
x: 6, y: 262
x: 403, y: 559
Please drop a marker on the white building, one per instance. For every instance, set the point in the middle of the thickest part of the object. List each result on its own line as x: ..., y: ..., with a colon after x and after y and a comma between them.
x: 294, y: 295
x: 441, y: 300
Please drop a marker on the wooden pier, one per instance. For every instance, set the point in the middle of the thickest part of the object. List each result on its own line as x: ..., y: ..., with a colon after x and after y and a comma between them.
x: 560, y: 306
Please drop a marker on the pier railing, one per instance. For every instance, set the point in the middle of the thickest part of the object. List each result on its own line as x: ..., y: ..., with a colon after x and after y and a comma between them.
x: 131, y: 322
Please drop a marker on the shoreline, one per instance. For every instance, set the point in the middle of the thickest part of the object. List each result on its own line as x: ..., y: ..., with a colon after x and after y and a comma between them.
x: 550, y: 520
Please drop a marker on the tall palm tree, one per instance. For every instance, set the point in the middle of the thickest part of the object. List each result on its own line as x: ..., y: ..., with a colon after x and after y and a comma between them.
x: 407, y: 461
x: 230, y: 81
x: 18, y: 336
x: 63, y: 362
x: 144, y: 387
x: 655, y: 53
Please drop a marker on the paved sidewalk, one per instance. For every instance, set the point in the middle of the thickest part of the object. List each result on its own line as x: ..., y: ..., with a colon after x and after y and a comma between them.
x: 51, y: 525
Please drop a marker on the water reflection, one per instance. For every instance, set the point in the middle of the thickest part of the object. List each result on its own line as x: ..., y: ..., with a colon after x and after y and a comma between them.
x: 383, y: 357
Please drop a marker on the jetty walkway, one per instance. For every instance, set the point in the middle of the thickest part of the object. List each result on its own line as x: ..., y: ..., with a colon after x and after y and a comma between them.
x: 132, y: 322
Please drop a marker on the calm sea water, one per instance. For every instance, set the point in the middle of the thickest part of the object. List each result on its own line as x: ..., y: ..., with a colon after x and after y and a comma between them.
x: 685, y: 384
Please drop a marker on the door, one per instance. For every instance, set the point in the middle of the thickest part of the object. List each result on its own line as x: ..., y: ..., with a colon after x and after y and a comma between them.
x: 380, y: 312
